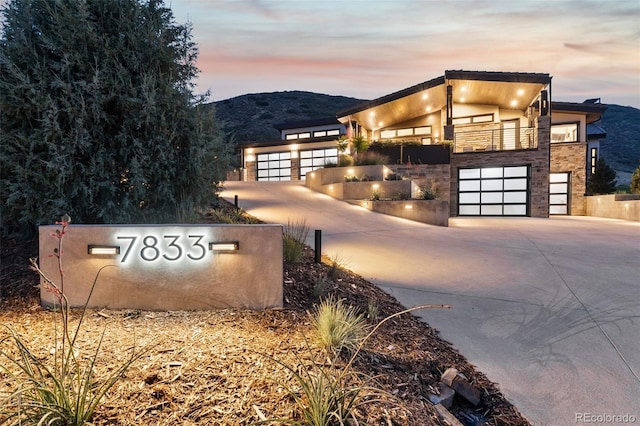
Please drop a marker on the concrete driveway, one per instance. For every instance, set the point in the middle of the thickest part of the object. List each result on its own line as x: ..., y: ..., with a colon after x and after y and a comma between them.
x: 547, y: 308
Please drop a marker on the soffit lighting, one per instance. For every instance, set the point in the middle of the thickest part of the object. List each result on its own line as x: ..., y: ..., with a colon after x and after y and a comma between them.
x: 102, y: 250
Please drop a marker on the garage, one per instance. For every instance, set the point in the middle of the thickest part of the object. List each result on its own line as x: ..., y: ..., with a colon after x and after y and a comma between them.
x: 559, y: 193
x: 313, y: 159
x: 494, y: 191
x: 274, y: 166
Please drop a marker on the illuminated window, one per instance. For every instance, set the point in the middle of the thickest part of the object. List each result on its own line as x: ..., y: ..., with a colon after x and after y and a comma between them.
x: 410, y: 131
x: 564, y: 133
x: 474, y: 119
x: 594, y: 160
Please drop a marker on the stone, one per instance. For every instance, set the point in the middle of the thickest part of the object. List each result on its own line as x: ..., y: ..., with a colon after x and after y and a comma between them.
x: 445, y: 398
x: 454, y: 379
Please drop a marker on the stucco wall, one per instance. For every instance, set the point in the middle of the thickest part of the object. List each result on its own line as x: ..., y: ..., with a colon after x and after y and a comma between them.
x: 572, y: 157
x: 614, y: 206
x: 168, y: 267
x: 433, y: 212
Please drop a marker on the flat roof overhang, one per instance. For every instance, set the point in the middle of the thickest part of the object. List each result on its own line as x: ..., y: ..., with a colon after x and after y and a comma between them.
x: 516, y: 91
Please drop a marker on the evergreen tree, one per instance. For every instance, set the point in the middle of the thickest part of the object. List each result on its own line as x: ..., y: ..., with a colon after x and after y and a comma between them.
x: 603, y: 181
x: 97, y: 115
x: 635, y: 182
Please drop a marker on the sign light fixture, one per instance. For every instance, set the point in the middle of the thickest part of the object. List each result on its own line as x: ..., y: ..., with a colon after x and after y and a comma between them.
x: 224, y: 246
x: 102, y: 250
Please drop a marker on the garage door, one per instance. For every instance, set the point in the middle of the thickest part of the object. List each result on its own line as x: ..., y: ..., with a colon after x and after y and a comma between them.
x: 313, y: 159
x: 559, y: 193
x: 274, y: 166
x: 493, y: 191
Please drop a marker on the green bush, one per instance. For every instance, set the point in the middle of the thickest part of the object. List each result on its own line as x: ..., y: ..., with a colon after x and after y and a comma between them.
x: 635, y: 182
x: 98, y: 115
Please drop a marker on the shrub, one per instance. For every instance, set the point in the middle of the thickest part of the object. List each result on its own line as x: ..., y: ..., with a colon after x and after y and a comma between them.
x: 429, y: 193
x: 340, y: 327
x: 98, y: 116
x: 295, y: 240
x: 401, y: 196
x: 635, y: 182
x: 393, y: 176
x: 371, y: 158
x: 345, y: 160
x: 603, y: 181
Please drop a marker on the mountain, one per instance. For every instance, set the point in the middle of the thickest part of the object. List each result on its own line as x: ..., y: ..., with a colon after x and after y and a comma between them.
x: 251, y: 118
x: 621, y: 148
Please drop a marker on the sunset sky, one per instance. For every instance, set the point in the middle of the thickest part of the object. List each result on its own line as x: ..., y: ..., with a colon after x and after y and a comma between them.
x: 367, y: 49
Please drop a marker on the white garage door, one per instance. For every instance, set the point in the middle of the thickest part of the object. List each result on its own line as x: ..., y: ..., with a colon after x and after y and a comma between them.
x: 493, y: 191
x: 274, y: 166
x: 559, y: 193
x: 313, y: 159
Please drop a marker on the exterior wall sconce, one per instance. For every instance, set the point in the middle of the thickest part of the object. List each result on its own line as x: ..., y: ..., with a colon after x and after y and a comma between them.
x: 224, y: 246
x: 375, y: 186
x: 408, y: 206
x: 102, y: 250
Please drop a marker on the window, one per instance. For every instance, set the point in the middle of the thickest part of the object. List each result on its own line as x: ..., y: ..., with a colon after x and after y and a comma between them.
x: 564, y: 133
x: 594, y: 160
x: 410, y: 131
x: 474, y: 119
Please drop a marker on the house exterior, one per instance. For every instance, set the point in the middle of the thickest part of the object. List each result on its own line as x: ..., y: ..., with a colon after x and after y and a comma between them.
x: 513, y: 151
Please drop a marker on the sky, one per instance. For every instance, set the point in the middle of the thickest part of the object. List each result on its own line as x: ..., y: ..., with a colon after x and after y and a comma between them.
x: 370, y: 48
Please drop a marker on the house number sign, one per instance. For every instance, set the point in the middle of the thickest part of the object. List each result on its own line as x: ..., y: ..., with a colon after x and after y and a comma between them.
x: 169, y: 247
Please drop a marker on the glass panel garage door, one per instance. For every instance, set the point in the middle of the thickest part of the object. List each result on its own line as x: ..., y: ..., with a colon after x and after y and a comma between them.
x: 313, y: 159
x: 493, y: 191
x: 559, y: 193
x: 274, y: 166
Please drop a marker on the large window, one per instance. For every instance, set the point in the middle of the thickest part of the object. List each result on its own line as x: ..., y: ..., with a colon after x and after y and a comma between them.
x: 410, y: 131
x: 564, y: 133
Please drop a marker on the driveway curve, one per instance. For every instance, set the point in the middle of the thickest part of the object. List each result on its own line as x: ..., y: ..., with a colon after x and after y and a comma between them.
x: 547, y: 308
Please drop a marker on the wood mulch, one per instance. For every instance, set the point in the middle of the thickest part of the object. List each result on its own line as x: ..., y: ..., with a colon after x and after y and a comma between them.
x: 225, y: 367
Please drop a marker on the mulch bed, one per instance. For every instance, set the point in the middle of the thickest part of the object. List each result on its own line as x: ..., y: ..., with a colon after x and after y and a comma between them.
x: 225, y: 367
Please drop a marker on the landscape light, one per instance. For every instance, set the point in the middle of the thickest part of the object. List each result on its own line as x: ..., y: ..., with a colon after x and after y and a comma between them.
x: 224, y: 246
x: 101, y: 250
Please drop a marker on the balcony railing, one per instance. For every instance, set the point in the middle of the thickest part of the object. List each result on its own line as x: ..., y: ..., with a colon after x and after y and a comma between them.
x: 495, y: 140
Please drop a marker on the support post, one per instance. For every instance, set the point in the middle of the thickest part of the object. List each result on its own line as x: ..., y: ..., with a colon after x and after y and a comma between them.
x: 318, y: 246
x: 235, y: 201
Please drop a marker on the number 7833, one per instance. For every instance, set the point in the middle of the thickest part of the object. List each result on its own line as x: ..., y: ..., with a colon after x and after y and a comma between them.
x: 150, y: 248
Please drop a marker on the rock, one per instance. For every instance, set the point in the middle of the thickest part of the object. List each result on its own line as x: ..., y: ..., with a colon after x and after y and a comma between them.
x: 461, y: 385
x: 445, y: 397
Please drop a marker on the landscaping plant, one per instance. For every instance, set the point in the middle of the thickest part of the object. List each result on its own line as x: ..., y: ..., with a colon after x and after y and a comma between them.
x: 295, y: 240
x: 62, y: 391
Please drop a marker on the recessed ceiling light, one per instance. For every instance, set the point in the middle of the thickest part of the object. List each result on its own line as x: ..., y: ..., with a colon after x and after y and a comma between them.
x: 514, y: 103
x: 520, y: 92
x: 428, y: 108
x: 425, y: 96
x: 463, y: 88
x: 462, y: 99
x: 372, y: 114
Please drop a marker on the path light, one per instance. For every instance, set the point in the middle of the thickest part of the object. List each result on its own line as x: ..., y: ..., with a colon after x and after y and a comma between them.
x: 224, y: 246
x: 102, y: 250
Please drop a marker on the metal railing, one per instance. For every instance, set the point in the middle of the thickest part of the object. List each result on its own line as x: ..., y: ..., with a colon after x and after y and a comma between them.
x: 495, y: 140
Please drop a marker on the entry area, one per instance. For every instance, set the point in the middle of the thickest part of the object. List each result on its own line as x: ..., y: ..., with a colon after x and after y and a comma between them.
x: 494, y: 191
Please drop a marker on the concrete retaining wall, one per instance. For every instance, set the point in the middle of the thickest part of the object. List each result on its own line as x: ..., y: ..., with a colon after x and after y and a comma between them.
x: 433, y: 212
x: 167, y: 267
x: 614, y: 206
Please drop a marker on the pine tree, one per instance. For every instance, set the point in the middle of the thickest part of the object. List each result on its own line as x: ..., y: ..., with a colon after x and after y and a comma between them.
x: 635, y: 181
x: 603, y: 181
x: 97, y: 115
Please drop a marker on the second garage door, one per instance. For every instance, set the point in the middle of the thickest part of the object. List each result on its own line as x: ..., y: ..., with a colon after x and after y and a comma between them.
x: 494, y: 191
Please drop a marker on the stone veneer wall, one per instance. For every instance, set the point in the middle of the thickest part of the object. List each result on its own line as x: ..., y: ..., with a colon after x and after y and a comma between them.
x: 538, y: 159
x: 432, y: 176
x: 572, y: 157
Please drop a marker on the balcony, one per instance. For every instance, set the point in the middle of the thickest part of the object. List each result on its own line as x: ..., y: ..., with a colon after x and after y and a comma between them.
x: 509, y: 139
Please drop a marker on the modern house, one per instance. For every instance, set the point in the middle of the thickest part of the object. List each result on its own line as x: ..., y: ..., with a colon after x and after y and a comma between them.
x: 509, y: 150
